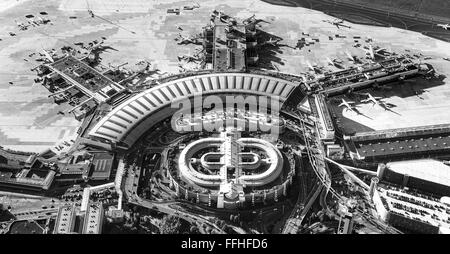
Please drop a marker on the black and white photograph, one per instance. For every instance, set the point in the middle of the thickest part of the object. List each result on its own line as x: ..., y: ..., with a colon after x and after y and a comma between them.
x: 240, y: 118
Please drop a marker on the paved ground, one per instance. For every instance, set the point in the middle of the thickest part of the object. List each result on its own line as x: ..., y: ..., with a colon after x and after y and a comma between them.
x: 142, y: 30
x: 20, y: 204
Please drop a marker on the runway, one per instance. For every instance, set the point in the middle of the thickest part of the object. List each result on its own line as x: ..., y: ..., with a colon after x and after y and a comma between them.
x: 419, y: 24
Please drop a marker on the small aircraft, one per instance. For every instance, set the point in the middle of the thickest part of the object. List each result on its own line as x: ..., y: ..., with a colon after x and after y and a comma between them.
x: 182, y: 40
x: 371, y: 52
x: 350, y: 57
x: 249, y: 19
x: 347, y: 105
x: 445, y: 26
x: 253, y: 21
x: 38, y: 21
x: 191, y: 7
x: 189, y: 58
x: 272, y: 42
x: 314, y: 67
x: 222, y: 16
x: 310, y: 66
x: 337, y: 23
x: 47, y: 55
x: 335, y: 62
x: 374, y: 100
x: 377, y: 101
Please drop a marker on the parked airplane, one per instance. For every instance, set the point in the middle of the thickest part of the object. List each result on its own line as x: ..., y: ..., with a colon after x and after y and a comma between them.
x: 191, y: 7
x: 272, y: 41
x: 348, y: 105
x: 350, y: 57
x: 182, y: 40
x: 337, y: 23
x: 253, y: 21
x: 38, y: 21
x: 372, y: 52
x: 47, y: 55
x: 381, y: 104
x: 335, y: 62
x: 445, y: 26
x: 314, y: 67
x: 374, y: 100
x: 189, y: 58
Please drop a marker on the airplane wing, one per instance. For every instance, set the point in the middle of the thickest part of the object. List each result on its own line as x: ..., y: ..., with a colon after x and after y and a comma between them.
x: 330, y: 61
x: 371, y: 53
x: 48, y: 56
x: 350, y: 57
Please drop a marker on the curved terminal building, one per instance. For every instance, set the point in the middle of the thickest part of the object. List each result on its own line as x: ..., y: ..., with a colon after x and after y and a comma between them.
x: 240, y: 162
x: 131, y: 119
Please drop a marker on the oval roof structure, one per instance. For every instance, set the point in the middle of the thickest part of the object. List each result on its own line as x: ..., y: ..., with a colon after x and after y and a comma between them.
x: 127, y: 122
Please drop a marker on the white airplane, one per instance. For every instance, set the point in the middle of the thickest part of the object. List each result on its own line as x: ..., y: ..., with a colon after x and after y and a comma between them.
x: 371, y: 52
x: 48, y: 55
x: 337, y: 23
x: 310, y: 66
x: 334, y: 62
x: 313, y: 67
x: 374, y: 100
x: 189, y: 58
x: 272, y: 41
x: 38, y: 21
x: 350, y: 57
x: 445, y: 26
x: 348, y: 105
x: 184, y: 40
x: 330, y: 62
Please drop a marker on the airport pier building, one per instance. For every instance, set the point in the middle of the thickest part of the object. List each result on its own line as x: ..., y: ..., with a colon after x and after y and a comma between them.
x: 399, y: 143
x: 368, y: 75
